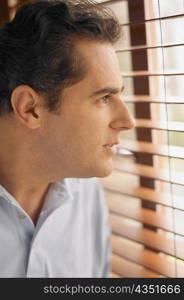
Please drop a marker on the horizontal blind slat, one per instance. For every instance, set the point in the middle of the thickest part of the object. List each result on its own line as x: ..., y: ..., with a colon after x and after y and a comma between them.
x: 128, y: 269
x: 145, y: 47
x: 114, y: 275
x: 139, y: 22
x: 148, y: 171
x: 148, y: 259
x: 147, y: 147
x: 152, y: 99
x: 148, y: 74
x: 160, y: 240
x: 163, y: 125
x: 163, y: 220
x: 147, y: 194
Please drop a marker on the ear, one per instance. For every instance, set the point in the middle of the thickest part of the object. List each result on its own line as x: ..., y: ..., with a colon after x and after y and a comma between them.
x: 27, y: 105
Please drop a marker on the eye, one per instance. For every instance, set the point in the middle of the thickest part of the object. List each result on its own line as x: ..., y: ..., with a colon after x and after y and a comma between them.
x: 105, y: 98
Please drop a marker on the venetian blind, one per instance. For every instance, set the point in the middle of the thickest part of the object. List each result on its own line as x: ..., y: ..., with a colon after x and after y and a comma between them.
x: 145, y: 192
x: 8, y: 9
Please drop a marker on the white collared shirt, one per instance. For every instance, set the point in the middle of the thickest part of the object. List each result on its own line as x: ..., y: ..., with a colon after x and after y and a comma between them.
x: 70, y: 239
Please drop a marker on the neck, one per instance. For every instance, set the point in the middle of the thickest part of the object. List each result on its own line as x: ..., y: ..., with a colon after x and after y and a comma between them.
x: 30, y: 197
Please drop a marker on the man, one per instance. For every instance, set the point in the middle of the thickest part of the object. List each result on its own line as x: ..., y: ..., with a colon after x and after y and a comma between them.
x: 61, y: 112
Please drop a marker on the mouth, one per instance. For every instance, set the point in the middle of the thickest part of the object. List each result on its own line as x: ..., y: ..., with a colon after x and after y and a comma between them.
x: 112, y: 148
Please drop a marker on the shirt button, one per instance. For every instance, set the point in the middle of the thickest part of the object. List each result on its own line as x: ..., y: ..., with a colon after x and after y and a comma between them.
x: 21, y: 216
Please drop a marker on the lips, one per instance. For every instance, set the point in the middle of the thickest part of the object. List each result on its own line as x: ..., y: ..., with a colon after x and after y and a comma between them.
x: 111, y: 144
x: 112, y: 147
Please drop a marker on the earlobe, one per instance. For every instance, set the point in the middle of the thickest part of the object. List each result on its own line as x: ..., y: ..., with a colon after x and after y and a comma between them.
x: 25, y: 103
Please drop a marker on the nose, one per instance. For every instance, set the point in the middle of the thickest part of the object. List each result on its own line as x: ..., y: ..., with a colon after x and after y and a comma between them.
x: 123, y: 119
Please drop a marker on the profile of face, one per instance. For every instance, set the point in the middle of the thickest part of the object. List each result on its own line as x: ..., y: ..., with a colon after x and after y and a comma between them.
x: 92, y: 115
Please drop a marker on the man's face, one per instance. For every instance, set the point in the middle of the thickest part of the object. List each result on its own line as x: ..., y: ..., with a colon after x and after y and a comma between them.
x: 73, y: 142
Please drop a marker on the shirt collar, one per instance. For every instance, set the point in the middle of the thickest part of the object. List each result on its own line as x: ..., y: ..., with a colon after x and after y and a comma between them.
x: 59, y: 193
x: 7, y: 196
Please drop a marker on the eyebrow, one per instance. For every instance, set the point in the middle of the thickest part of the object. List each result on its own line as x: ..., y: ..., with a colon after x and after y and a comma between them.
x: 107, y: 90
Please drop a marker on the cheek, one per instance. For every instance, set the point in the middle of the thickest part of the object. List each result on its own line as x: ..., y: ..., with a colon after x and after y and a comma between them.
x: 84, y: 128
x: 81, y: 140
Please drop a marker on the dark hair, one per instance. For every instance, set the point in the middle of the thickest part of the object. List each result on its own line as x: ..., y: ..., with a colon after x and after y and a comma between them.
x: 37, y: 48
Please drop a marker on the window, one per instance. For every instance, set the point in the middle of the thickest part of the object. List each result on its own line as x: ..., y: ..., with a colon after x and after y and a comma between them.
x: 145, y: 191
x: 8, y: 9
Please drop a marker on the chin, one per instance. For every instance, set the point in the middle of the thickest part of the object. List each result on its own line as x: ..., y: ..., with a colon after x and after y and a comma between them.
x: 100, y: 174
x: 104, y: 171
x: 96, y: 170
x: 104, y: 174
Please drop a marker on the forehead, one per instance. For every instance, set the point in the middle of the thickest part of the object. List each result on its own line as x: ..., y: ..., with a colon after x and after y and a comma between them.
x: 101, y: 63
